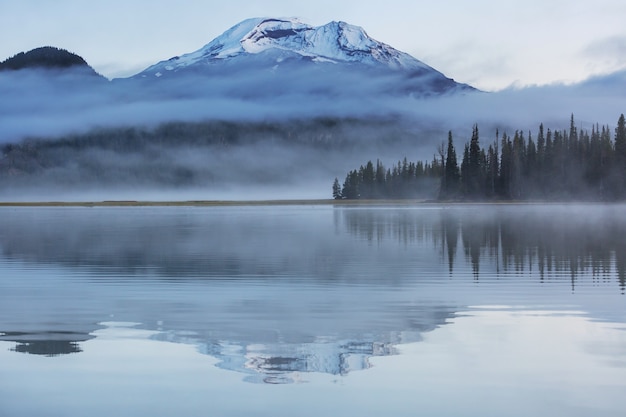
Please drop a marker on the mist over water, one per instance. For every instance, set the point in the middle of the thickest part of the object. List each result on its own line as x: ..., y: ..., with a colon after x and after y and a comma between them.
x: 554, y: 241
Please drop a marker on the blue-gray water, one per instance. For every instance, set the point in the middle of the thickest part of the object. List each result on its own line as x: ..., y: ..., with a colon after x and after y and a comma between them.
x: 470, y: 310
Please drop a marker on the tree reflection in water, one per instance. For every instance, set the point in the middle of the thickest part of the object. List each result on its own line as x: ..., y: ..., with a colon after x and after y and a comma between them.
x: 549, y: 241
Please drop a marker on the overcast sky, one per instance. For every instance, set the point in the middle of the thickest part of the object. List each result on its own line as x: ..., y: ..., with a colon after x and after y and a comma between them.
x: 489, y: 44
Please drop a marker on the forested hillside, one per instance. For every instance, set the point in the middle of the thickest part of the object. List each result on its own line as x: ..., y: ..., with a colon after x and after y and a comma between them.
x: 47, y: 57
x: 206, y: 156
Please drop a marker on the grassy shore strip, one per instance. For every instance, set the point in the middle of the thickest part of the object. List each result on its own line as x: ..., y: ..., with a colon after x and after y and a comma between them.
x: 214, y: 203
x: 313, y: 202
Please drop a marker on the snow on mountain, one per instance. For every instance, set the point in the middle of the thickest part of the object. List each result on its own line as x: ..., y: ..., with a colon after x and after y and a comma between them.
x: 333, y: 42
x: 273, y: 43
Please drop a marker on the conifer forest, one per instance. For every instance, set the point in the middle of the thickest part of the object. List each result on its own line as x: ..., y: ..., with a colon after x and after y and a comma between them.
x: 548, y: 165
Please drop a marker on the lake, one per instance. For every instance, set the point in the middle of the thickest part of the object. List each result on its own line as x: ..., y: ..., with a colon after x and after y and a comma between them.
x: 460, y: 310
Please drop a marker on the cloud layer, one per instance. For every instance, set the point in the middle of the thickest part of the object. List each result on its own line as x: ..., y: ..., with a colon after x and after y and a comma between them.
x: 32, y: 105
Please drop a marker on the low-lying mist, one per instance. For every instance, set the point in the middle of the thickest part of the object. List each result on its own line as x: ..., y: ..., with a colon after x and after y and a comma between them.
x: 248, y: 134
x: 210, y: 160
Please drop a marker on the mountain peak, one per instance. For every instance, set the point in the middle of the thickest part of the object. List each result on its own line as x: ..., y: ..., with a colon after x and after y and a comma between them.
x: 278, y: 45
x: 334, y: 42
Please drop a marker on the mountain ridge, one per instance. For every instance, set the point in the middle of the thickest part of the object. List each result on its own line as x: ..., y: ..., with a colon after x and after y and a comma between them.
x: 271, y: 44
x: 274, y: 56
x: 256, y: 35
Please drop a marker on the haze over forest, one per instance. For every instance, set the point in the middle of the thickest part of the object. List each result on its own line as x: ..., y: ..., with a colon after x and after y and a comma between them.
x: 260, y: 126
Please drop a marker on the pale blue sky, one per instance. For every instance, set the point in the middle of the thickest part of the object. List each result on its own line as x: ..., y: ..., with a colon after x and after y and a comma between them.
x: 489, y: 44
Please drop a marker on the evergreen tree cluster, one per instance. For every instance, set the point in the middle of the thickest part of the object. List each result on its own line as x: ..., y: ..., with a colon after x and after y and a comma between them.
x: 374, y: 181
x: 558, y: 165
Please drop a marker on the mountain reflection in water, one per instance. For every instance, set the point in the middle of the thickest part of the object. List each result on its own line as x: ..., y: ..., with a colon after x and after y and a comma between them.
x: 278, y: 292
x: 47, y: 343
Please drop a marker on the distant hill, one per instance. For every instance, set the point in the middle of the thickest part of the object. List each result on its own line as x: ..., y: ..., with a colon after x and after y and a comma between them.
x: 47, y: 57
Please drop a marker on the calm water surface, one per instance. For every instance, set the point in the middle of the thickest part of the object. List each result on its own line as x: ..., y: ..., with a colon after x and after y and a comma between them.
x: 471, y: 310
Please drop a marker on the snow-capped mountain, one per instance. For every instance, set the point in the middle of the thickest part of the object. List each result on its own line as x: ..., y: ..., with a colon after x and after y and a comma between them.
x: 277, y: 44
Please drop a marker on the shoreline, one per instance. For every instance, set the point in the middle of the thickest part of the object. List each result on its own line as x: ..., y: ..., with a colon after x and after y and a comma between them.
x: 210, y: 203
x: 296, y: 202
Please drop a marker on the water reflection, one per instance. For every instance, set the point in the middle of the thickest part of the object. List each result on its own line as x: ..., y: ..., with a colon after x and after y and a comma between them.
x: 550, y: 241
x: 335, y: 345
x: 48, y: 343
x: 277, y: 293
x: 289, y: 362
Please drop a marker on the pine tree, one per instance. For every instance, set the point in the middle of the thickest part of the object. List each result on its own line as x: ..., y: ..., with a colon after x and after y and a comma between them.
x: 368, y: 177
x: 474, y: 183
x: 451, y: 174
x: 506, y: 167
x: 380, y: 186
x: 620, y: 157
x: 541, y: 157
x: 336, y: 190
x: 465, y: 172
x: 492, y: 170
x: 620, y: 140
x: 531, y: 166
x: 351, y: 186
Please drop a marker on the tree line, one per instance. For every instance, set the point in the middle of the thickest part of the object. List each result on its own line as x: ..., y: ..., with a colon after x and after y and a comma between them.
x: 551, y: 165
x: 405, y: 180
